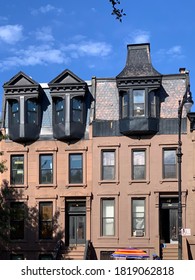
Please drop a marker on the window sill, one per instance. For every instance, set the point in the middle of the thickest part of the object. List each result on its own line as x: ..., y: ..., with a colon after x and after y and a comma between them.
x: 108, y: 238
x: 75, y: 185
x: 46, y: 186
x: 139, y: 181
x: 168, y: 180
x: 108, y: 182
x: 19, y: 186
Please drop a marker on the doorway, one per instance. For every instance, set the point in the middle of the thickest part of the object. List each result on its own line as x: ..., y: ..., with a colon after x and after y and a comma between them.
x: 75, y: 223
x: 168, y: 220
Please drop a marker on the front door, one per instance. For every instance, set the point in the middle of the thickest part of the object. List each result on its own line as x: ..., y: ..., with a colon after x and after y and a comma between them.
x: 169, y: 220
x: 76, y: 223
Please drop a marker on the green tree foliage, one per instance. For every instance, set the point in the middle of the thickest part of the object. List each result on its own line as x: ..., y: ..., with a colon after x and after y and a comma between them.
x: 116, y: 11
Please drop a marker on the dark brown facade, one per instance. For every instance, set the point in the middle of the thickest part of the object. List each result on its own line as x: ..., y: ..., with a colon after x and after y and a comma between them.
x: 95, y: 163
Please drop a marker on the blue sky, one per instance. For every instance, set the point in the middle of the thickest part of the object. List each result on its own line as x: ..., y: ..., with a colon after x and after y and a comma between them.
x: 43, y: 38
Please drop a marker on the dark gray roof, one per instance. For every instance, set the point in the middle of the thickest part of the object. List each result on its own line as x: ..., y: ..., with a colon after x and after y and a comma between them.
x: 138, y: 63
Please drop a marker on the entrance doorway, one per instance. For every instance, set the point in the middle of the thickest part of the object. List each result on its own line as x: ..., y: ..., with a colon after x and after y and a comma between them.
x: 75, y: 222
x: 169, y: 220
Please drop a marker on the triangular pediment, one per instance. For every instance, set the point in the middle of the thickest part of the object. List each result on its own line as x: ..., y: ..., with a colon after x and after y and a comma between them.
x: 66, y: 78
x: 20, y: 80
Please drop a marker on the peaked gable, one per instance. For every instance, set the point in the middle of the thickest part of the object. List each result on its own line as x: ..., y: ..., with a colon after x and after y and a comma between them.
x: 67, y: 81
x: 21, y: 84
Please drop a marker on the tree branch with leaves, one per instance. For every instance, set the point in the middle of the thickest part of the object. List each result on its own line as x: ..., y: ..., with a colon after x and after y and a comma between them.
x: 116, y: 11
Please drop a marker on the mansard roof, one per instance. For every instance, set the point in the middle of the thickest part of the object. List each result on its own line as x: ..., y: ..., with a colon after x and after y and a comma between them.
x: 138, y: 62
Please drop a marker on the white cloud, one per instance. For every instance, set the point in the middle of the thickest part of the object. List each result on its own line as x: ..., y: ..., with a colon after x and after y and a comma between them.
x: 34, y: 55
x: 46, y: 9
x: 51, y: 53
x: 89, y: 49
x: 140, y: 36
x: 11, y: 34
x: 44, y: 34
x: 174, y: 52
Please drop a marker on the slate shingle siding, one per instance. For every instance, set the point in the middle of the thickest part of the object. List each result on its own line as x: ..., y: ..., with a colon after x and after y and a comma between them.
x: 107, y: 97
x: 175, y: 88
x: 106, y: 100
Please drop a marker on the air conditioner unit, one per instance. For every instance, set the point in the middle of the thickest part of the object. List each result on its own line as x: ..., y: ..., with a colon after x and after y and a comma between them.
x: 139, y: 233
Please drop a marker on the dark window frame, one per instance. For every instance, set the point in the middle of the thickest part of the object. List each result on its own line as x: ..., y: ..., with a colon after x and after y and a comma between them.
x: 49, y: 171
x: 168, y: 166
x: 59, y: 110
x: 134, y: 167
x: 17, y: 220
x: 32, y: 111
x: 45, y: 222
x: 76, y: 179
x: 16, y: 170
x: 104, y: 166
x: 77, y: 109
x: 14, y: 106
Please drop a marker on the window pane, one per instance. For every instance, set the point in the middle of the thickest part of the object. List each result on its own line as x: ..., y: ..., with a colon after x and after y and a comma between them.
x: 45, y: 220
x: 75, y: 168
x: 46, y: 169
x: 17, y: 170
x: 138, y: 215
x: 31, y: 111
x: 77, y: 110
x: 152, y: 103
x: 124, y: 105
x: 139, y: 102
x: 108, y: 223
x: 17, y: 220
x: 108, y: 165
x: 170, y: 166
x: 139, y: 168
x: 14, y: 112
x: 59, y: 110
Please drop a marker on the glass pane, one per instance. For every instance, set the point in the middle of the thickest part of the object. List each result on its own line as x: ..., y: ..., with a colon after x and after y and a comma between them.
x: 17, y: 170
x: 59, y: 108
x: 46, y: 169
x: 139, y: 157
x: 14, y: 112
x: 170, y: 157
x: 139, y: 102
x: 17, y: 220
x: 31, y: 105
x: 108, y: 227
x: 75, y: 161
x: 138, y: 205
x: 108, y: 208
x: 170, y: 166
x: 108, y: 158
x: 124, y: 105
x: 77, y: 109
x: 45, y: 220
x: 139, y: 172
x: 108, y: 173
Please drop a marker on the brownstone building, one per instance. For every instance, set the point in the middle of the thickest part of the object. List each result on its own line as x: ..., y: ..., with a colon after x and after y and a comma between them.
x: 94, y: 164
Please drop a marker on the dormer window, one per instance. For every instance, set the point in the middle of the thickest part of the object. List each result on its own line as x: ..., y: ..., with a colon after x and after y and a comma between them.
x: 77, y: 109
x: 24, y: 108
x: 14, y: 109
x: 32, y: 111
x: 59, y: 110
x: 69, y: 110
x: 138, y: 85
x: 138, y: 102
